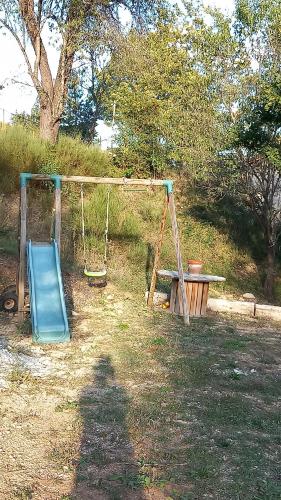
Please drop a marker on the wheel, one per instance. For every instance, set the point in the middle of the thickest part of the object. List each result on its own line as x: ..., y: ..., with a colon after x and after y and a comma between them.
x: 9, y: 302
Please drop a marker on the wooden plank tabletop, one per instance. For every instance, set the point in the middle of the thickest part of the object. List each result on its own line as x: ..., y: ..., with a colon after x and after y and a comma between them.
x: 199, y: 278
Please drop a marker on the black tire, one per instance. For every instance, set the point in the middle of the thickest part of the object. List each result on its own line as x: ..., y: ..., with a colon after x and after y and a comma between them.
x: 9, y: 302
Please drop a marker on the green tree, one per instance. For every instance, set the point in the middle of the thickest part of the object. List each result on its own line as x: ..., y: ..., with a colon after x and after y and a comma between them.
x: 69, y: 22
x: 83, y: 107
x: 250, y: 168
x: 257, y: 166
x: 27, y: 120
x: 173, y: 89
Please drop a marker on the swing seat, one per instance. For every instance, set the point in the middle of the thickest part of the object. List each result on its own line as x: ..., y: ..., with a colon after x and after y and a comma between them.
x: 95, y: 274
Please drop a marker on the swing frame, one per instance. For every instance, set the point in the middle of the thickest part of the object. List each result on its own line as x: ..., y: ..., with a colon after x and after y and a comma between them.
x: 169, y: 202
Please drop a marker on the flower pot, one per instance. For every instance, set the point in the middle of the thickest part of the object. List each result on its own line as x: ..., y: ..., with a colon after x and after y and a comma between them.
x: 194, y: 266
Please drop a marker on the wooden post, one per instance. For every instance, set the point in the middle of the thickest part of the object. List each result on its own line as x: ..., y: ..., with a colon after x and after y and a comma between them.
x: 22, y: 250
x: 157, y: 254
x: 58, y: 212
x: 179, y: 259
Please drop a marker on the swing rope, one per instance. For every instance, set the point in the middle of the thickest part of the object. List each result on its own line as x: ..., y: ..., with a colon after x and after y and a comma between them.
x: 106, y: 229
x: 83, y: 227
x: 102, y: 273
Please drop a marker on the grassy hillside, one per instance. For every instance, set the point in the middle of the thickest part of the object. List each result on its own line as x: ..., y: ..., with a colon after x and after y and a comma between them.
x: 21, y: 150
x: 134, y: 218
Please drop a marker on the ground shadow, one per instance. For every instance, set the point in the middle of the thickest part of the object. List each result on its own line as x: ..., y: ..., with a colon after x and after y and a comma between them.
x: 106, y: 468
x: 219, y: 400
x: 150, y: 256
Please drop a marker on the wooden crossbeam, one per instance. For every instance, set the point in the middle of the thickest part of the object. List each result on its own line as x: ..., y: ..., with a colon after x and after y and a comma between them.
x: 102, y: 180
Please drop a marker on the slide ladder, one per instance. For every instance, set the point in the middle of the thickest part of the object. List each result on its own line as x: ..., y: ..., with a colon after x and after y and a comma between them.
x: 47, y: 304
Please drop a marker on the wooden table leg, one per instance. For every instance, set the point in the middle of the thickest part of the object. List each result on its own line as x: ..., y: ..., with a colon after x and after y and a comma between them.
x: 204, y: 299
x: 197, y: 294
x: 199, y: 299
x: 173, y: 297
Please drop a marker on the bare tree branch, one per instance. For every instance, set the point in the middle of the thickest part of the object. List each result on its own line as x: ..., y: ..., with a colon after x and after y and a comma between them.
x: 33, y: 76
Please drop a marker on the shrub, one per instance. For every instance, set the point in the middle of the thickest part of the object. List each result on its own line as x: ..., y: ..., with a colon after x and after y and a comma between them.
x: 22, y: 150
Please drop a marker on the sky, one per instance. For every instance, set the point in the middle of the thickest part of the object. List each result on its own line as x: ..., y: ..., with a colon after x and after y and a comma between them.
x: 18, y: 95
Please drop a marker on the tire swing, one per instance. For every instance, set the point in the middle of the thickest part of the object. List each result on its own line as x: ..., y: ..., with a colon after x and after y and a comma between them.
x: 95, y: 278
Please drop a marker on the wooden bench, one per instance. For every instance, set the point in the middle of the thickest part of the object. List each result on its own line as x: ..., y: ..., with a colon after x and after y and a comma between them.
x: 197, y: 289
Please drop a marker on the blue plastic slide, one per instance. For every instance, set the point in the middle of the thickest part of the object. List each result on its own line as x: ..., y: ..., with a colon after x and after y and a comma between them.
x: 47, y: 304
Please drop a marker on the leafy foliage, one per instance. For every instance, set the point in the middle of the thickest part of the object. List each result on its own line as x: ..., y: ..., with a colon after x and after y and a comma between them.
x: 172, y: 116
x: 255, y: 173
x: 70, y: 25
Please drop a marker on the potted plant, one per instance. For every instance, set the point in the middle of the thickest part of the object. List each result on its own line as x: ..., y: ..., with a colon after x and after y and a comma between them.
x: 194, y: 266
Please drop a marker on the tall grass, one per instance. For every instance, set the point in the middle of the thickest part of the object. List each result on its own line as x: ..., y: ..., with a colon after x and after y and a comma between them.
x: 22, y: 150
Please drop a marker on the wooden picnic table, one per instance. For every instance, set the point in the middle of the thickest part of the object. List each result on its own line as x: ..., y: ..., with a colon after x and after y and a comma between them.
x: 197, y: 290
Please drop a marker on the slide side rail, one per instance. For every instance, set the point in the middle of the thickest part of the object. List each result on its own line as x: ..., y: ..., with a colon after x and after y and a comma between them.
x: 58, y: 269
x: 32, y: 287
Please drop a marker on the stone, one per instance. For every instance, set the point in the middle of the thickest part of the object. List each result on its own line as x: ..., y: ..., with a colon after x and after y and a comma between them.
x: 159, y: 298
x: 249, y: 297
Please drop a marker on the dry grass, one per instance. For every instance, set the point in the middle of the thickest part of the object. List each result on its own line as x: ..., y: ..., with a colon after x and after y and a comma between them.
x: 138, y: 406
x: 22, y: 150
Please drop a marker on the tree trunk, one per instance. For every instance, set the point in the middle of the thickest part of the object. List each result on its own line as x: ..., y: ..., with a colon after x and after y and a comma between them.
x: 49, y: 128
x: 270, y: 271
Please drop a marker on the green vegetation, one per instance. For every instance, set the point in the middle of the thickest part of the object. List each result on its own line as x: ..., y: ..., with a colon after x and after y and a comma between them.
x: 137, y: 402
x: 23, y: 151
x: 168, y: 116
x: 133, y: 231
x: 134, y: 220
x: 79, y: 26
x: 191, y: 96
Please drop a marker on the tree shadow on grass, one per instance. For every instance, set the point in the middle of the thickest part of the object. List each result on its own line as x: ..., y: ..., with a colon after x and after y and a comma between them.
x: 150, y: 256
x: 216, y: 414
x: 106, y: 468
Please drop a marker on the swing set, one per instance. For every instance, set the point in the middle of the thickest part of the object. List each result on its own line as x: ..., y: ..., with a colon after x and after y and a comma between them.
x: 95, y: 277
